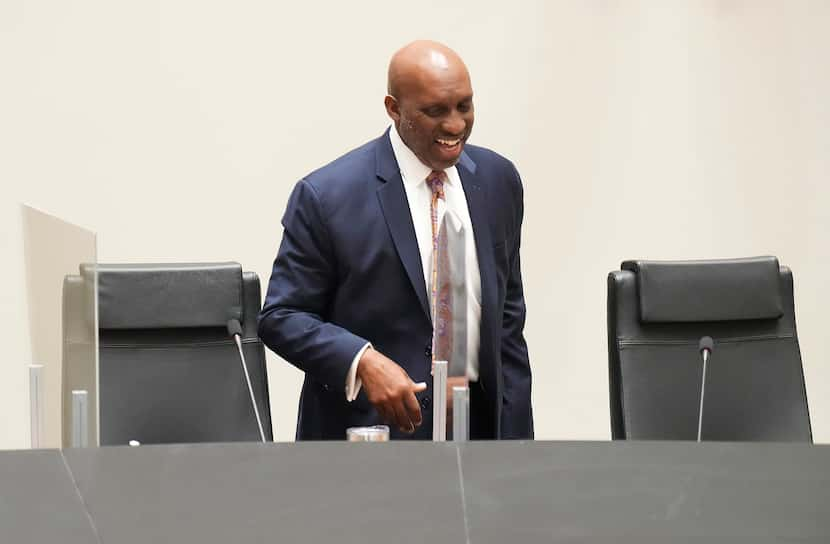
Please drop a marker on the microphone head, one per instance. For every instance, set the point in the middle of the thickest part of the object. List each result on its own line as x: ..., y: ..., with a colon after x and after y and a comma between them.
x: 234, y: 328
x: 706, y: 344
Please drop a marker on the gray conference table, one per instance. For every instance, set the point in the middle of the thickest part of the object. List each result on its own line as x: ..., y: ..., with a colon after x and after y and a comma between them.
x: 508, y: 492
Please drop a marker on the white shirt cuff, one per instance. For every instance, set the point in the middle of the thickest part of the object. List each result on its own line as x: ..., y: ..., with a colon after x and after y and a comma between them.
x: 353, y: 383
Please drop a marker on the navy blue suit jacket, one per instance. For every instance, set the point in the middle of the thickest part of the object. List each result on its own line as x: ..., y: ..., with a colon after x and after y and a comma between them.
x: 349, y: 271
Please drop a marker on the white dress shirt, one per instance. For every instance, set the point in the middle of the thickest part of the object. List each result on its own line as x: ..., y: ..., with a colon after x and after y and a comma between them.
x: 419, y: 196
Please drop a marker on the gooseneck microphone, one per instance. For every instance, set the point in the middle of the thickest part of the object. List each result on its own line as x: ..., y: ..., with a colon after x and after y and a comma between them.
x: 235, y: 331
x: 705, y: 347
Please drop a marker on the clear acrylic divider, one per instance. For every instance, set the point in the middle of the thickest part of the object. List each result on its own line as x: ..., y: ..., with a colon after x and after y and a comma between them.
x: 61, y: 285
x: 450, y: 333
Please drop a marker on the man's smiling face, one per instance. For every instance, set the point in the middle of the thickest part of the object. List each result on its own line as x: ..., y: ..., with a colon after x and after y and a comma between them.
x: 433, y: 108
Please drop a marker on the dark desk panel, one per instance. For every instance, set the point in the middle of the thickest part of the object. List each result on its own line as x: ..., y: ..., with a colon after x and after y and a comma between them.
x: 513, y: 493
x: 38, y: 501
x: 250, y: 493
x: 643, y: 492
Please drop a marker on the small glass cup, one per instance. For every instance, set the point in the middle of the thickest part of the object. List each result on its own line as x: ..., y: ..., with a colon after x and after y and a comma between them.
x: 375, y: 433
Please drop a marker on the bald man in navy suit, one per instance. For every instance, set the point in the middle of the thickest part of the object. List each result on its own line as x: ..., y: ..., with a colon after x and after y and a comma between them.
x: 348, y: 301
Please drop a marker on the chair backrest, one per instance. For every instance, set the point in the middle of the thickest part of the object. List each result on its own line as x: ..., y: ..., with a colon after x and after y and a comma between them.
x: 168, y: 371
x: 657, y: 313
x: 78, y: 354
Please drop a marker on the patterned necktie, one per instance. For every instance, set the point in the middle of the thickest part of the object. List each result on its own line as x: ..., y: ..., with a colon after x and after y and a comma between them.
x: 440, y: 284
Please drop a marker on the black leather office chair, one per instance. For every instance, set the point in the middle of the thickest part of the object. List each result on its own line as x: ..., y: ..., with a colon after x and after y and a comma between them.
x: 169, y: 372
x: 657, y: 313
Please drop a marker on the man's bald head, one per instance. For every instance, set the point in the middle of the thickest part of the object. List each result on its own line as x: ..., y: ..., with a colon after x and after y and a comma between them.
x: 431, y: 101
x: 418, y: 59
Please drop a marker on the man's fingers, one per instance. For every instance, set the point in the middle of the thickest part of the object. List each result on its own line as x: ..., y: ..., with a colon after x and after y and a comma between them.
x: 384, y: 414
x: 413, y: 409
x: 391, y: 391
x: 402, y: 419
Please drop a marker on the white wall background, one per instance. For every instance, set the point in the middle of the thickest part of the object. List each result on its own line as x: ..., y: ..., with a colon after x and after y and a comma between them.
x: 643, y: 129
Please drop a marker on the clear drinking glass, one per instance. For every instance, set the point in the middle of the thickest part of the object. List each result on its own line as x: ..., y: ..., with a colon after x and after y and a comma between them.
x: 375, y: 433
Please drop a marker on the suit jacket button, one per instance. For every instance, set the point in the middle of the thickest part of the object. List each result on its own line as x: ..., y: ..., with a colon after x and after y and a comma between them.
x: 425, y: 402
x: 428, y: 350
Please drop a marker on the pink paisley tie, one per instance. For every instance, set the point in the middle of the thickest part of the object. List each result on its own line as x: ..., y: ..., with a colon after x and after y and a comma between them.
x: 440, y: 284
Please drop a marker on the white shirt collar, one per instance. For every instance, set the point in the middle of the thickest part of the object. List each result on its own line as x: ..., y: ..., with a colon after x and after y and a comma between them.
x: 413, y: 171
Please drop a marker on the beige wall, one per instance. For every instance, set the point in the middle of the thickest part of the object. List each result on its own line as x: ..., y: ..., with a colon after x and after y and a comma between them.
x: 653, y: 129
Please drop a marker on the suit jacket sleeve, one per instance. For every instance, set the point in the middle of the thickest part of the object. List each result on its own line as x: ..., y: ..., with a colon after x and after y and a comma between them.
x: 303, y: 281
x: 517, y: 413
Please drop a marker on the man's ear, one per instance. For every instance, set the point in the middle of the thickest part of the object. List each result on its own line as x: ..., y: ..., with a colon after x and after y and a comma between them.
x: 392, y: 108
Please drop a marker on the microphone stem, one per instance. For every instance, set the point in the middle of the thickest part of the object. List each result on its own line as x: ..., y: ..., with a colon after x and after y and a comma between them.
x: 702, y: 390
x: 250, y: 388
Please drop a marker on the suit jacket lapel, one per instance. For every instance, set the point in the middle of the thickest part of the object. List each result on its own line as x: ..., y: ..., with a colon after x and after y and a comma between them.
x: 476, y: 194
x: 395, y: 206
x: 477, y: 204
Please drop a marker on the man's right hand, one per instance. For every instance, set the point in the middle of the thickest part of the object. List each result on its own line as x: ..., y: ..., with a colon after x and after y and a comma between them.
x: 390, y: 390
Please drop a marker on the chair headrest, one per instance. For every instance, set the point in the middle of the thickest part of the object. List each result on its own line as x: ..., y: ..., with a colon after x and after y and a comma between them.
x: 161, y: 296
x: 715, y: 290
